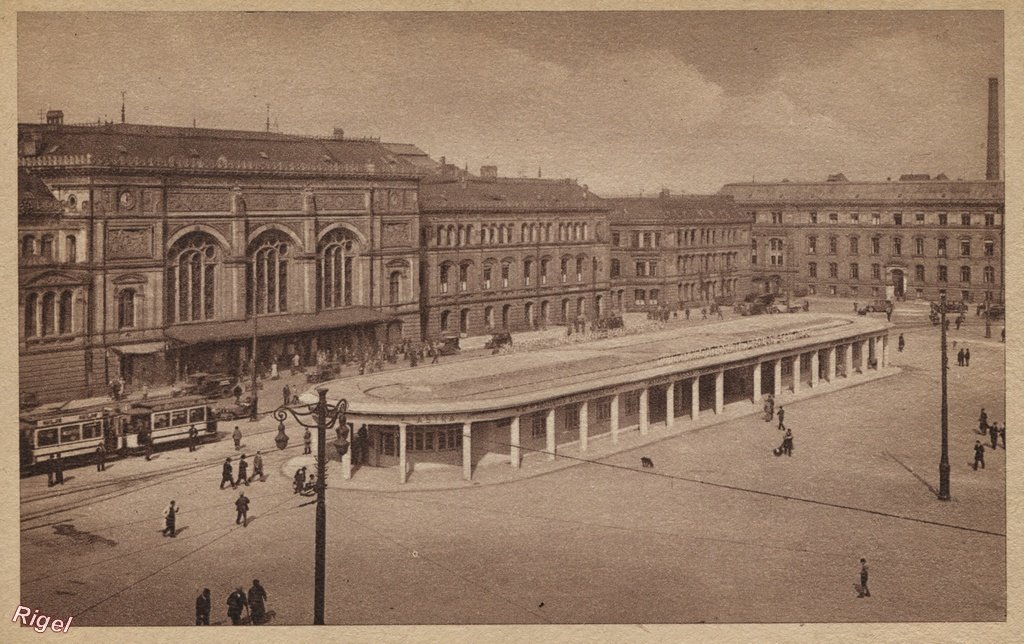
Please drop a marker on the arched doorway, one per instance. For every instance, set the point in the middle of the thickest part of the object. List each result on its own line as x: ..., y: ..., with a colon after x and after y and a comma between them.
x: 896, y: 288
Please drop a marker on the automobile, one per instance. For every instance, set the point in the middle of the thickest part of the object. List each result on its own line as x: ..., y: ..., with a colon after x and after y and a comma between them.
x: 951, y: 307
x: 996, y: 311
x: 233, y: 411
x: 756, y: 305
x: 875, y: 306
x: 449, y: 345
x: 209, y: 385
x: 498, y: 340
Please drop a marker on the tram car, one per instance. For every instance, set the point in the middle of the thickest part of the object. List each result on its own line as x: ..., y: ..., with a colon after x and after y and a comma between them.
x: 165, y: 420
x: 70, y: 431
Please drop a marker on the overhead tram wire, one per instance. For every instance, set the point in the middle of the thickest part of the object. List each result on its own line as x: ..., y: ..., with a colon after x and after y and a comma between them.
x: 737, y: 488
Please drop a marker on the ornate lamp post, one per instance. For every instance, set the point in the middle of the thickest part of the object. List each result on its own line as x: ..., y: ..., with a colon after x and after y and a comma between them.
x: 944, y: 457
x: 323, y: 416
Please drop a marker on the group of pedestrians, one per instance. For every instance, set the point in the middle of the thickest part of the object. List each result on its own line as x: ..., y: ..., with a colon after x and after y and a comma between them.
x: 227, y: 471
x: 787, y: 437
x: 963, y: 357
x: 995, y: 432
x: 254, y: 603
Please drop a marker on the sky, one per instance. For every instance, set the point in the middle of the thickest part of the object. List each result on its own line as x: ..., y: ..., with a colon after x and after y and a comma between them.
x: 624, y: 102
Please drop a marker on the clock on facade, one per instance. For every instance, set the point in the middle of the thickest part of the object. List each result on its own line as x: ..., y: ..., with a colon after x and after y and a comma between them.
x: 127, y: 200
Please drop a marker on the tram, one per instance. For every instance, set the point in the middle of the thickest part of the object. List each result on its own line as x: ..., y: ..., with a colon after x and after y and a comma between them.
x: 165, y: 420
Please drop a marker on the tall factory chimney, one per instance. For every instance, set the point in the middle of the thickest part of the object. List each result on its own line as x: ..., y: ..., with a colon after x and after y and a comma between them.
x: 992, y: 164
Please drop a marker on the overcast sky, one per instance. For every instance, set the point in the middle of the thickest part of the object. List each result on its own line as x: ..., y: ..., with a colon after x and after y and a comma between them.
x: 622, y: 101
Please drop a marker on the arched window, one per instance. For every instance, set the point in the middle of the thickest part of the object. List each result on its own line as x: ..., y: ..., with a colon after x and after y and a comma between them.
x: 71, y: 249
x: 565, y: 269
x: 579, y: 269
x: 28, y: 245
x: 464, y: 321
x: 46, y: 246
x: 267, y: 274
x: 775, y: 256
x: 965, y: 276
x: 565, y: 310
x: 445, y: 269
x: 191, y: 276
x: 64, y: 313
x: 489, y: 316
x: 126, y: 309
x: 464, y: 276
x: 394, y: 287
x: 338, y: 250
x: 990, y: 275
x: 49, y: 313
x: 445, y: 316
x: 545, y: 312
x: 31, y: 304
x: 529, y: 313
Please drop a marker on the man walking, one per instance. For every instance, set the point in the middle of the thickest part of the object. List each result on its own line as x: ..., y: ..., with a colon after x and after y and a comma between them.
x: 782, y: 414
x: 226, y: 474
x: 101, y: 458
x: 967, y: 356
x: 286, y: 392
x: 237, y: 391
x: 900, y: 344
x: 862, y: 589
x: 979, y: 455
x: 243, y: 471
x: 169, y: 516
x: 203, y: 608
x: 51, y: 471
x: 242, y: 505
x: 237, y: 436
x: 307, y: 442
x: 787, y: 443
x: 60, y: 469
x: 960, y: 358
x: 983, y: 422
x: 257, y: 466
x: 236, y: 602
x: 993, y: 432
x: 193, y: 437
x: 257, y: 602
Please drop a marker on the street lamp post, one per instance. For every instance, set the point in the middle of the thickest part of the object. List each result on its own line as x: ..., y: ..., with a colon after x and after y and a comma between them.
x: 944, y: 457
x: 253, y: 414
x: 323, y: 416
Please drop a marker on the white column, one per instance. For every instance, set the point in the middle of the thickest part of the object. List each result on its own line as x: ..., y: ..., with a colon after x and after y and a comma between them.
x: 814, y: 368
x: 514, y: 454
x: 467, y: 451
x: 863, y: 362
x: 885, y: 350
x: 584, y: 425
x: 719, y: 392
x: 670, y: 405
x: 695, y: 398
x: 873, y: 348
x: 550, y: 428
x: 830, y: 367
x: 796, y: 373
x: 755, y: 392
x: 848, y: 359
x: 615, y: 418
x: 777, y: 373
x: 644, y: 404
x: 346, y: 459
x: 402, y: 458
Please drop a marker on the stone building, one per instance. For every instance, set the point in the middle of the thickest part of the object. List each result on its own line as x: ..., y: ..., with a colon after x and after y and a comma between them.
x: 501, y: 253
x: 914, y: 238
x: 676, y: 251
x: 168, y: 240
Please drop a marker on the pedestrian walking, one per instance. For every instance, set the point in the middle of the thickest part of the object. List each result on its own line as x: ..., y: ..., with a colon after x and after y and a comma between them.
x: 273, y: 370
x: 101, y: 458
x: 687, y: 312
x: 236, y: 602
x: 787, y: 443
x: 51, y: 471
x: 960, y: 358
x: 959, y: 321
x: 993, y: 432
x: 257, y: 602
x: 982, y: 422
x: 855, y: 307
x: 193, y: 438
x: 257, y: 466
x: 979, y: 455
x: 434, y: 355
x: 967, y: 356
x: 226, y: 474
x: 203, y: 608
x: 782, y: 414
x: 862, y: 589
x: 287, y: 394
x: 703, y: 313
x: 299, y: 480
x: 900, y: 344
x: 296, y: 363
x: 243, y: 471
x: 170, y: 514
x: 237, y: 436
x: 237, y: 391
x: 242, y: 506
x: 307, y: 442
x: 60, y: 469
x: 718, y: 310
x: 1002, y: 335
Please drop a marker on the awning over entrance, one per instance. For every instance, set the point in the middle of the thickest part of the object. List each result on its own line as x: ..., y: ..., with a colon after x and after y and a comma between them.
x: 271, y: 325
x: 141, y: 349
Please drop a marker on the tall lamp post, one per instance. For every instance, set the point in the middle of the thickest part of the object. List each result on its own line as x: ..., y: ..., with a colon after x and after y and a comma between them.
x: 944, y: 457
x: 254, y: 414
x: 322, y: 416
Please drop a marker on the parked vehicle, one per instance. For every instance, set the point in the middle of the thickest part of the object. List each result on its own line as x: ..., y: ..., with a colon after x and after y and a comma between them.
x: 209, y: 385
x: 232, y: 411
x: 449, y: 345
x: 498, y: 340
x: 875, y: 306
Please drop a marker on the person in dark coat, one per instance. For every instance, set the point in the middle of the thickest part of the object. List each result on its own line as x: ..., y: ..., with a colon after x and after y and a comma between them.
x: 203, y: 608
x: 243, y: 471
x: 782, y: 414
x: 979, y: 455
x: 967, y: 356
x: 170, y: 514
x: 257, y: 602
x: 226, y: 475
x: 983, y: 422
x: 242, y: 506
x: 993, y: 432
x: 299, y: 480
x: 237, y: 437
x: 287, y: 393
x: 960, y: 358
x: 862, y: 590
x: 60, y: 470
x: 193, y: 438
x: 787, y: 443
x: 307, y: 441
x: 257, y: 466
x: 901, y: 343
x: 51, y: 471
x: 101, y: 458
x: 236, y: 602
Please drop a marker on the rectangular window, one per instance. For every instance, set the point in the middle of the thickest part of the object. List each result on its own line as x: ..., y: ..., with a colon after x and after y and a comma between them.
x: 833, y: 270
x: 965, y: 248
x: 854, y: 217
x: 70, y: 433
x: 965, y: 274
x: 876, y: 271
x: 875, y: 291
x: 876, y: 245
x: 876, y: 218
x: 616, y: 239
x: 832, y: 289
x: 543, y: 271
x: 653, y: 299
x: 463, y: 278
x: 505, y: 271
x: 91, y: 430
x: 940, y: 247
x: 833, y: 217
x: 631, y: 403
x: 538, y: 427
x: 428, y: 441
x: 854, y: 272
x: 919, y: 273
x: 639, y: 297
x: 776, y: 217
x: 444, y: 279
x: 853, y: 291
x: 990, y: 219
x: 965, y: 219
x: 854, y: 245
x: 603, y: 409
x: 897, y: 246
x: 943, y: 219
x: 614, y: 270
x: 487, y: 276
x: 179, y: 418
x: 897, y: 218
x: 814, y: 217
x: 527, y: 272
x: 943, y: 274
x: 812, y: 245
x: 833, y: 245
x: 813, y: 290
x: 919, y: 218
x: 990, y: 248
x: 161, y: 420
x: 919, y: 246
x: 812, y: 269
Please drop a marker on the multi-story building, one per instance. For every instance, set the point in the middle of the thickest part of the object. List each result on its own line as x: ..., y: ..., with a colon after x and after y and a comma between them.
x: 500, y: 253
x: 914, y: 238
x: 173, y: 246
x: 676, y: 251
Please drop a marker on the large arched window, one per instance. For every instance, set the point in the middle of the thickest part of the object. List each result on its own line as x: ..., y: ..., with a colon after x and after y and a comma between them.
x: 394, y: 287
x: 31, y: 304
x: 267, y: 273
x: 126, y: 309
x: 28, y: 245
x: 191, y: 278
x: 64, y: 313
x: 49, y: 313
x: 338, y: 251
x: 46, y: 246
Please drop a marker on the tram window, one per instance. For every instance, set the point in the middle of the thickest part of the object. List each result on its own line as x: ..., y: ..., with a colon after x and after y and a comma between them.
x: 419, y: 441
x: 161, y: 420
x: 179, y: 417
x: 409, y: 441
x: 428, y: 441
x: 91, y: 430
x: 46, y: 437
x: 389, y: 444
x: 70, y: 433
x: 196, y: 414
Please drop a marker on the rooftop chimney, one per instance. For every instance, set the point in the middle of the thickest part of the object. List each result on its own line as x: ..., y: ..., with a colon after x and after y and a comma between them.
x: 992, y: 164
x: 489, y: 171
x: 54, y: 117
